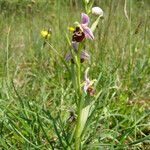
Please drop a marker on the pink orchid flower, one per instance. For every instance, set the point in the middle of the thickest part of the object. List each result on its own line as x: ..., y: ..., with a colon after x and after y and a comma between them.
x: 88, y: 89
x: 82, y: 31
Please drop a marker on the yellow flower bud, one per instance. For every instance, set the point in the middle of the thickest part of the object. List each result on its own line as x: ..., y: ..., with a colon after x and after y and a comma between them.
x: 71, y: 29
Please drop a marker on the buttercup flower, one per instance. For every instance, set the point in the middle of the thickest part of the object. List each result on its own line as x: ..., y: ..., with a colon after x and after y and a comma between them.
x: 83, y: 31
x: 97, y: 11
x: 88, y: 89
x: 45, y: 34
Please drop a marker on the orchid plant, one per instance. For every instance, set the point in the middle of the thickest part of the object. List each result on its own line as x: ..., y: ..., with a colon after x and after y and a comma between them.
x: 84, y: 90
x: 77, y: 56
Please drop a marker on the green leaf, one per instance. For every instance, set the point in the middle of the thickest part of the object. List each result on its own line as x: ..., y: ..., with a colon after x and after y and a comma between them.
x: 84, y: 116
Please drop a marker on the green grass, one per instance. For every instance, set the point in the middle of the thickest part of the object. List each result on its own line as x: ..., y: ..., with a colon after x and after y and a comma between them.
x: 36, y: 92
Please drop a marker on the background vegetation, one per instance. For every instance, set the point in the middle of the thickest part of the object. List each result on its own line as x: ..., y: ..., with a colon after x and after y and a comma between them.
x: 36, y: 94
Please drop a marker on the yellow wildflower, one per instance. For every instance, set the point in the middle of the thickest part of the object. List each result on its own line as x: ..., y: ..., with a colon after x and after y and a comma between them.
x: 71, y: 29
x: 45, y: 34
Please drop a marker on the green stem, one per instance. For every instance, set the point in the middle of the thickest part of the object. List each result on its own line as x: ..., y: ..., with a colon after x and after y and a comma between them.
x: 78, y: 79
x: 79, y: 105
x: 74, y: 80
x: 77, y: 131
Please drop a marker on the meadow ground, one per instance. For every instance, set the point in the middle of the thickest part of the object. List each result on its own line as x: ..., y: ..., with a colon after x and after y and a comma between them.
x: 36, y: 91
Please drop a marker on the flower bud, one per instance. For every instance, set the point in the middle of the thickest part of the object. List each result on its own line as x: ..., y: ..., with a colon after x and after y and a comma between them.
x: 87, y: 1
x: 97, y: 11
x: 71, y: 29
